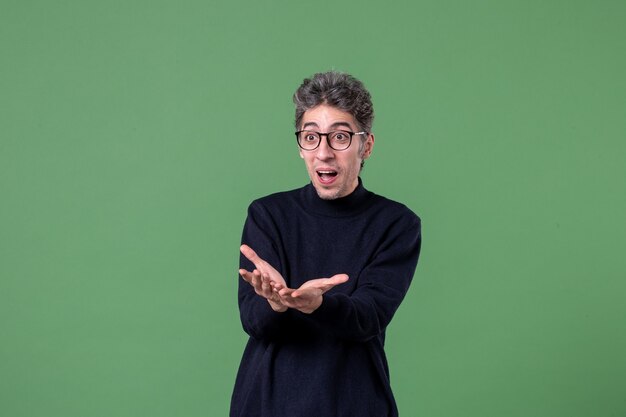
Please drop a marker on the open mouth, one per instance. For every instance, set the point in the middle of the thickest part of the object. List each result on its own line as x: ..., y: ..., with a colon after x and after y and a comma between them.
x: 326, y: 176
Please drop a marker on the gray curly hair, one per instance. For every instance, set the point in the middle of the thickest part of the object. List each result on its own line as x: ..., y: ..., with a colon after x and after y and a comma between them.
x: 339, y: 90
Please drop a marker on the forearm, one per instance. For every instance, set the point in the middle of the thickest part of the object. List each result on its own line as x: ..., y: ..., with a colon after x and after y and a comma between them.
x: 354, y: 318
x: 366, y: 312
x: 258, y: 318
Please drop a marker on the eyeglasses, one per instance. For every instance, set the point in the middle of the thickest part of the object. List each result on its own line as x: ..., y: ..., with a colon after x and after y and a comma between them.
x: 338, y: 140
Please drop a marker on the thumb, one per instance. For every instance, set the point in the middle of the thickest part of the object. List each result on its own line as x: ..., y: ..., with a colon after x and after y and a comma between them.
x: 333, y: 281
x: 338, y: 279
x: 320, y: 285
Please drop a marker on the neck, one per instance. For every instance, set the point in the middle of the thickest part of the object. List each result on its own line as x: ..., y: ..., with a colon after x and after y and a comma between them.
x: 348, y: 205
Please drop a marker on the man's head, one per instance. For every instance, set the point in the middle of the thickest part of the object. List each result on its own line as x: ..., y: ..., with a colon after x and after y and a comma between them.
x: 332, y: 102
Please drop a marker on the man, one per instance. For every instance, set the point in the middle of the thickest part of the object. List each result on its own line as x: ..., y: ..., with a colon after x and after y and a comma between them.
x: 324, y: 269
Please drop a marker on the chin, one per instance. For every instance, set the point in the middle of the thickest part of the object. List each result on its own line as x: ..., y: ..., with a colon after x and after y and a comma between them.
x: 326, y: 194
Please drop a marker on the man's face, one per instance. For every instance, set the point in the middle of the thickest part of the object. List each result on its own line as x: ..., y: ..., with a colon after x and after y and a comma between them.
x: 334, y: 174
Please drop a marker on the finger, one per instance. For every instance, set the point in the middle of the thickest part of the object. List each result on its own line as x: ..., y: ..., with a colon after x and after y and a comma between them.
x: 246, y: 275
x: 285, y: 292
x: 251, y: 255
x: 265, y: 281
x: 256, y: 279
x: 266, y: 288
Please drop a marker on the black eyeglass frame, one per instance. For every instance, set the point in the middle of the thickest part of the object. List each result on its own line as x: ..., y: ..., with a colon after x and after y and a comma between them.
x: 320, y: 134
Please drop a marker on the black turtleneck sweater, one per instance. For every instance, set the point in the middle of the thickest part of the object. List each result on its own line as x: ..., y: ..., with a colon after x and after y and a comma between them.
x: 332, y: 362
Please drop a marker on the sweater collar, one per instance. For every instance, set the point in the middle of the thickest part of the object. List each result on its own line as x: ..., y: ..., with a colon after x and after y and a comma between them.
x: 351, y: 204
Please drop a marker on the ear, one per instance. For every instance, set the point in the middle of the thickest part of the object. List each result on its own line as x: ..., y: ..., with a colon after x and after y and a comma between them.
x: 300, y: 152
x: 368, y: 146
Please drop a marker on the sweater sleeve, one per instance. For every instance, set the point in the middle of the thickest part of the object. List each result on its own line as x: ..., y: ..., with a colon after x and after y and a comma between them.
x: 258, y: 319
x: 382, y: 285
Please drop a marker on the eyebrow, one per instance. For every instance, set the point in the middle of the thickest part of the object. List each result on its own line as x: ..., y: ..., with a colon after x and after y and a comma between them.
x: 333, y: 126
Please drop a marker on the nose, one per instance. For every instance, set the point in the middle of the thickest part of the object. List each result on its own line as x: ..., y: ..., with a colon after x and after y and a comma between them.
x: 324, y: 151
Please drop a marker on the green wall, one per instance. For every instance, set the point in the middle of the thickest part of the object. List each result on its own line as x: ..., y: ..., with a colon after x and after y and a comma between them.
x: 133, y: 135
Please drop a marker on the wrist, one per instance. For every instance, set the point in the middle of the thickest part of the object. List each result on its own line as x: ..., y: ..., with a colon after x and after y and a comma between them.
x: 315, y: 304
x: 277, y: 307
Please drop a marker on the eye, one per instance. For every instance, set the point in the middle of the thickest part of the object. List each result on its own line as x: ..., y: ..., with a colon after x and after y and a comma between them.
x: 340, y: 136
x: 310, y: 136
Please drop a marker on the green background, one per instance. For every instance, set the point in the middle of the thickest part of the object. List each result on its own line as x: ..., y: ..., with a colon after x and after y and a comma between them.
x: 133, y: 135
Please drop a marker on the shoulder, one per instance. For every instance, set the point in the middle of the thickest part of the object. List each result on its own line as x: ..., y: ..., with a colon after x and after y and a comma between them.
x: 393, y: 212
x: 394, y: 229
x: 275, y: 205
x: 275, y: 200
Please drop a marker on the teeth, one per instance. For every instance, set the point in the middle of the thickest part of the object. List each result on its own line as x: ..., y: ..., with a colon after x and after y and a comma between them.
x: 326, y: 172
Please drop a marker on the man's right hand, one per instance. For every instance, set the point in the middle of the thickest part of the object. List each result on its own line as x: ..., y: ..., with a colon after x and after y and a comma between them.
x: 309, y: 296
x: 261, y: 277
